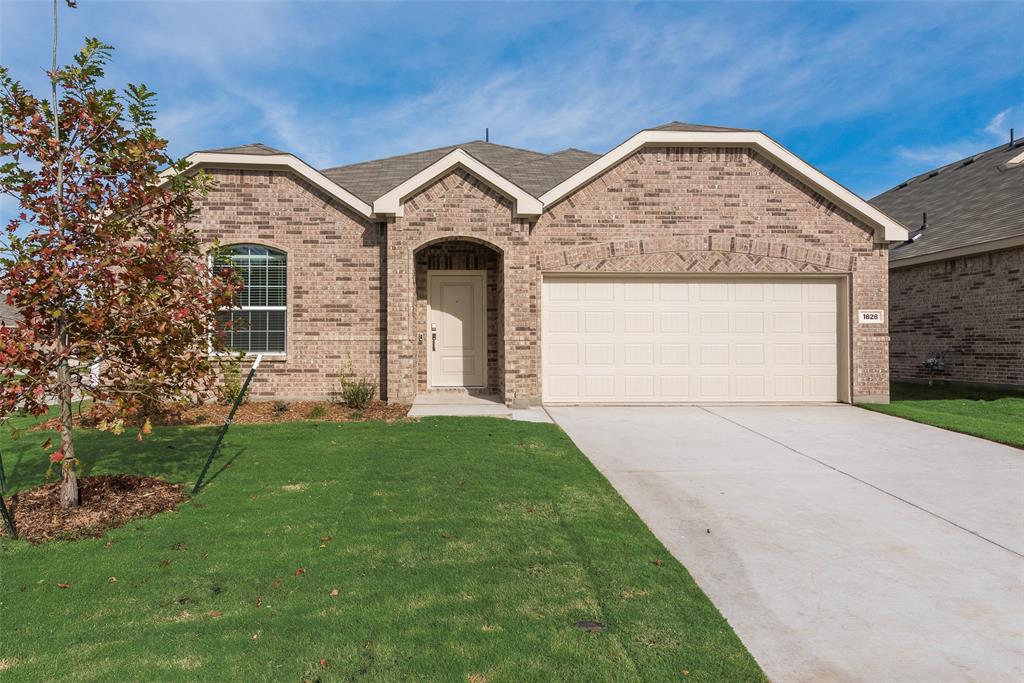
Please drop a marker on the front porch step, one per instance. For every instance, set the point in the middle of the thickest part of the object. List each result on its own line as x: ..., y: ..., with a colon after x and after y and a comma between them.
x: 454, y: 404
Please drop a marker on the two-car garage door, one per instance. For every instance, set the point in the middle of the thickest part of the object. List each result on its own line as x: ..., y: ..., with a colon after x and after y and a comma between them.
x: 676, y: 340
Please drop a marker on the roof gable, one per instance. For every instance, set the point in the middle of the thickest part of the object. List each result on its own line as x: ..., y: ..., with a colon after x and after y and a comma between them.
x: 885, y: 228
x: 524, y: 204
x: 532, y: 180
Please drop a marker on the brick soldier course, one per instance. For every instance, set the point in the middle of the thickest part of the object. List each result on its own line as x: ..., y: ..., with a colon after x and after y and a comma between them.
x: 357, y: 276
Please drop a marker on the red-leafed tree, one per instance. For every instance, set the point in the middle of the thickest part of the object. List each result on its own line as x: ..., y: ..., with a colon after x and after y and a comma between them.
x: 100, y: 261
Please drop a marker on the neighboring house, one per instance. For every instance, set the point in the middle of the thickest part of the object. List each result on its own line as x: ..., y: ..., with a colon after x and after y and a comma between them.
x: 690, y: 263
x: 957, y: 287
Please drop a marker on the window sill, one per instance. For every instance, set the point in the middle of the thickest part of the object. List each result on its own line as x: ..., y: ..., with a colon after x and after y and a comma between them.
x: 250, y: 357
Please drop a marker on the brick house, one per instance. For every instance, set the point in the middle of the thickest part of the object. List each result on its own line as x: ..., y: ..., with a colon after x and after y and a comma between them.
x: 9, y: 316
x: 690, y: 263
x: 957, y: 285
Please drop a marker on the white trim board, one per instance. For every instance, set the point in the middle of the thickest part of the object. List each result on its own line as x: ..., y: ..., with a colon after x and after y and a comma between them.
x: 886, y: 229
x: 282, y: 161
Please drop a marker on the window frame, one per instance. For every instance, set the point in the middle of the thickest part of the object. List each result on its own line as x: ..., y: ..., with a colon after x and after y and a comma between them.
x: 287, y: 289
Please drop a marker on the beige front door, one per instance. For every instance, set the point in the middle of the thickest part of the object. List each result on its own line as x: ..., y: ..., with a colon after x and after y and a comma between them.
x: 456, y: 328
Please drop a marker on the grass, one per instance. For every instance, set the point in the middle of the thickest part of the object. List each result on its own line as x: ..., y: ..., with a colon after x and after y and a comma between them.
x: 994, y: 415
x: 460, y: 549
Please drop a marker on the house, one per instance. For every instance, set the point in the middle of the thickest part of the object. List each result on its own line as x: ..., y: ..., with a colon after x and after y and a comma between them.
x: 9, y: 315
x: 690, y: 263
x: 957, y: 285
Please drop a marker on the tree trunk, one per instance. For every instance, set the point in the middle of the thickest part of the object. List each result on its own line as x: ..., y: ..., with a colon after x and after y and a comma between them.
x: 69, y: 476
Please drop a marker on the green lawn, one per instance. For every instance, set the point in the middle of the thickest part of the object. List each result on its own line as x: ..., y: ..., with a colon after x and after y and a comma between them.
x: 994, y: 415
x: 460, y: 548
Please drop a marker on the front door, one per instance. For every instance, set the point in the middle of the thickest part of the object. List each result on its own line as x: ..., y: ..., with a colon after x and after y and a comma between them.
x: 456, y: 324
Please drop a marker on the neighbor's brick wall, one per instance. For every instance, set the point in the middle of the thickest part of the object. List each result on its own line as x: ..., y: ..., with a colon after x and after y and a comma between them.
x: 969, y: 311
x: 335, y: 309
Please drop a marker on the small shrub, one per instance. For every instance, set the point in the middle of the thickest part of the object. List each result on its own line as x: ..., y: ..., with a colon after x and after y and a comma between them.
x: 281, y: 407
x: 231, y: 384
x: 357, y: 392
x: 318, y: 412
x: 358, y: 415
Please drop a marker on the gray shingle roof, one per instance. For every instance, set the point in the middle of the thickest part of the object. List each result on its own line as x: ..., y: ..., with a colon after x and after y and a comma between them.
x: 972, y: 201
x: 535, y: 172
x: 251, y: 148
x: 537, y: 176
x: 368, y: 180
x: 697, y: 128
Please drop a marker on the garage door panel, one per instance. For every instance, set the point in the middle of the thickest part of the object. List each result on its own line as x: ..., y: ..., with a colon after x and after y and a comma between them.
x: 644, y: 340
x: 674, y: 321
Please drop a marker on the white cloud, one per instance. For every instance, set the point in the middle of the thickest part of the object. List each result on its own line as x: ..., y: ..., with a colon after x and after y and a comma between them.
x: 338, y: 82
x: 997, y: 130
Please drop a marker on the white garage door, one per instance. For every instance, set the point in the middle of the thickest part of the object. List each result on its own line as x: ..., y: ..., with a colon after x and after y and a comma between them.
x: 665, y: 340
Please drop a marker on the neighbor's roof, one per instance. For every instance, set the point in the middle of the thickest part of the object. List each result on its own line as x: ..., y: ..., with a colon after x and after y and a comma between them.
x: 970, y: 203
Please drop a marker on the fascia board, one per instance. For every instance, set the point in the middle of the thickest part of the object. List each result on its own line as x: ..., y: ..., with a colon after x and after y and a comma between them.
x: 957, y: 252
x: 262, y: 161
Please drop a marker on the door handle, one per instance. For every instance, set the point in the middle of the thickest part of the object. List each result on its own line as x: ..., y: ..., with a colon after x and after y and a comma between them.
x: 433, y: 341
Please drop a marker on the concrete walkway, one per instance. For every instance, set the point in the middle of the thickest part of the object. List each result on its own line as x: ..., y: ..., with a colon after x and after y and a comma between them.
x: 468, y: 405
x: 842, y: 545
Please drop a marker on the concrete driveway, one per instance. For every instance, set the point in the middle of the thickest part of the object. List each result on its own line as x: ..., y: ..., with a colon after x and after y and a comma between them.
x: 842, y: 545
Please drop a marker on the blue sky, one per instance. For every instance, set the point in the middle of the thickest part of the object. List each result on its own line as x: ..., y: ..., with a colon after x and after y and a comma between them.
x: 869, y: 93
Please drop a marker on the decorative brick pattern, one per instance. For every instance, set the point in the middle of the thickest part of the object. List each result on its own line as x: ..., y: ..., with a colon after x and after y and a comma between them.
x: 968, y: 312
x: 357, y: 289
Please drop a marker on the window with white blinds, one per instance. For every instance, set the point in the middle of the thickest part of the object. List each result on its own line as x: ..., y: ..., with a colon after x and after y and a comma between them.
x: 257, y: 323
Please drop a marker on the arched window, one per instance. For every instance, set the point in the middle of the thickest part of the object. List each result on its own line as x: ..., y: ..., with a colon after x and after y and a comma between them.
x: 259, y: 317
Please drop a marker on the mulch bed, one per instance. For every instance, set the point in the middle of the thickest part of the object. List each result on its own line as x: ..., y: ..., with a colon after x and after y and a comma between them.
x: 106, y: 502
x: 258, y: 412
x: 265, y: 412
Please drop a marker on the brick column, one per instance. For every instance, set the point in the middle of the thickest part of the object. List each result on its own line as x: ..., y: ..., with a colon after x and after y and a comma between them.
x: 401, y: 289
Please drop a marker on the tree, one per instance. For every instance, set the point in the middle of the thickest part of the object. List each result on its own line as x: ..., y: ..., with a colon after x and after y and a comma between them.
x: 100, y: 260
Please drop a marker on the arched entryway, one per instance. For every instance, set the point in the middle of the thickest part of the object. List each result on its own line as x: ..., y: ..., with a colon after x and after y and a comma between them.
x: 458, y: 310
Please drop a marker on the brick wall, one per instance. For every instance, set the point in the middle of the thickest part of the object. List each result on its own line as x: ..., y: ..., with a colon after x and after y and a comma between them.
x: 706, y: 210
x: 661, y: 210
x: 967, y: 311
x: 335, y: 312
